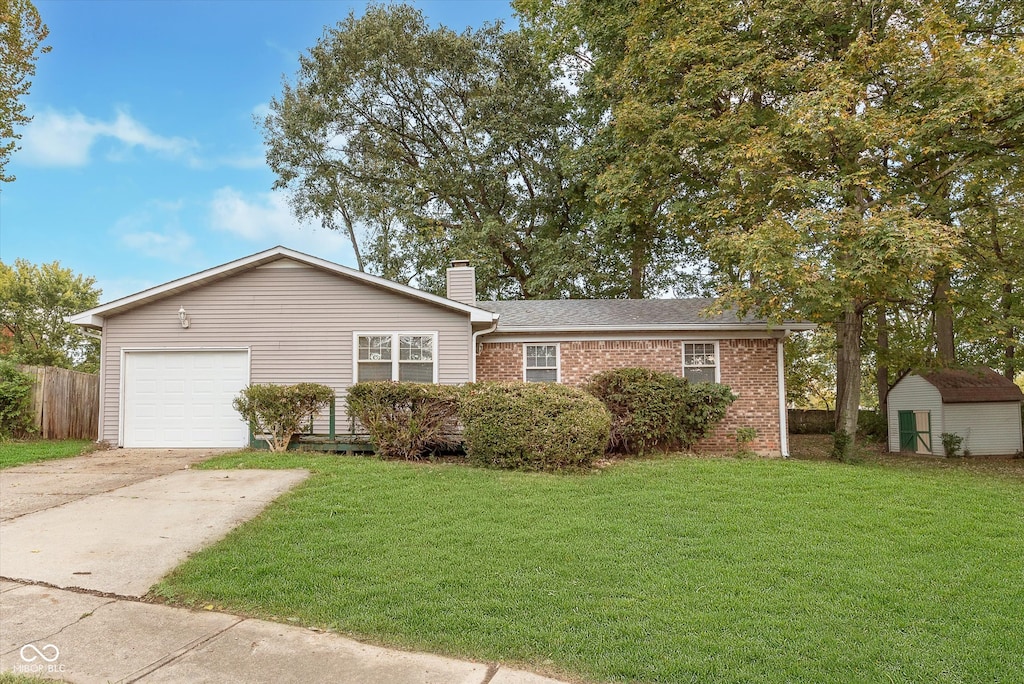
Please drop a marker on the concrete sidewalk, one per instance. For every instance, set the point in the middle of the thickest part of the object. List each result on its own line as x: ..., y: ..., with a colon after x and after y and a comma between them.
x: 86, y: 637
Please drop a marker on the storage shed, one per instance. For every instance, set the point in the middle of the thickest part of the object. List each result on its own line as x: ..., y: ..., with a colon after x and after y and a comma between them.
x: 978, y: 404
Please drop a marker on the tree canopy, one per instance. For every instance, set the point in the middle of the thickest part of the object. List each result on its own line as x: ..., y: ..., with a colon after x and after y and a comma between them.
x: 34, y: 302
x: 425, y: 145
x: 852, y: 162
x: 830, y: 157
x: 21, y: 35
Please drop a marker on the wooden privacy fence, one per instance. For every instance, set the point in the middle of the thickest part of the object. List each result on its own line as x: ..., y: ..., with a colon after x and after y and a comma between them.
x: 65, y: 403
x: 811, y: 421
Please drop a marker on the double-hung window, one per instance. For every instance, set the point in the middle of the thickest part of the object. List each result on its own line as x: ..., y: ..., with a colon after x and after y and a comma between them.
x: 407, y: 357
x: 540, y: 362
x: 700, y: 361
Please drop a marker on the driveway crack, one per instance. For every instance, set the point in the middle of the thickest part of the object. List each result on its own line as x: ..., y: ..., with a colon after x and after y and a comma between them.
x: 184, y: 650
x: 74, y: 622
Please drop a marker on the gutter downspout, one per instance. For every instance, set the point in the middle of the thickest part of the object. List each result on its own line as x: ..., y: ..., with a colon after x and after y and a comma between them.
x: 93, y: 335
x: 783, y: 413
x: 472, y: 357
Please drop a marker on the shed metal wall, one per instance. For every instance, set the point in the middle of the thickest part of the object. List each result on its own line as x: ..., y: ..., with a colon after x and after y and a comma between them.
x: 914, y: 393
x: 990, y: 428
x: 297, y: 321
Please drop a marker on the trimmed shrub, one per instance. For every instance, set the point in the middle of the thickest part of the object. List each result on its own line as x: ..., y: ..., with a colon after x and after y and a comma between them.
x: 872, y: 425
x: 15, y: 401
x: 951, y: 443
x: 281, y: 411
x: 532, y: 426
x: 651, y: 409
x: 407, y: 420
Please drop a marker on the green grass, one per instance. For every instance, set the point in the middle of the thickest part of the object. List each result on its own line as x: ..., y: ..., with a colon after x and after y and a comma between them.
x: 671, y: 570
x: 16, y: 678
x: 13, y: 453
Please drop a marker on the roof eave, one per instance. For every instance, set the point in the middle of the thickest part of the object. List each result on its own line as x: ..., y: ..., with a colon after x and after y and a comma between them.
x: 482, y: 316
x: 86, y: 320
x: 686, y: 327
x: 267, y: 256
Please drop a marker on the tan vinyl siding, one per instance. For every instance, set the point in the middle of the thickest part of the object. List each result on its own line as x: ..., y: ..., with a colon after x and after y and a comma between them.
x: 987, y: 428
x: 914, y: 393
x: 298, y: 323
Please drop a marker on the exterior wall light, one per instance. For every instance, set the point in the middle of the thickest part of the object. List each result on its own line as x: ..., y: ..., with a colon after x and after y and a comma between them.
x: 183, y: 317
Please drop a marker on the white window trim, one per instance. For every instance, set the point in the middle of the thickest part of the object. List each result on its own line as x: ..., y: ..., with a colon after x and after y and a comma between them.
x: 558, y: 358
x: 394, y: 347
x: 718, y: 358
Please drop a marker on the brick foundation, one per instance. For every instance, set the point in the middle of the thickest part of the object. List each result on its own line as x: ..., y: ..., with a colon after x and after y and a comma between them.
x: 748, y: 366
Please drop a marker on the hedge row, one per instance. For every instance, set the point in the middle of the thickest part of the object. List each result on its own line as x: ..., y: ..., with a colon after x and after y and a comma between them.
x: 407, y: 419
x: 652, y: 410
x: 533, y: 426
x: 539, y: 426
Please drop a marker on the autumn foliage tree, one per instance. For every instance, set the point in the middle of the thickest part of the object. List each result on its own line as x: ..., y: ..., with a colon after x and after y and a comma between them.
x: 21, y: 35
x: 819, y: 150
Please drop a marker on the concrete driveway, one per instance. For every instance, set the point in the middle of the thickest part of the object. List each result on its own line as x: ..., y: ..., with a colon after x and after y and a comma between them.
x: 118, y: 521
x: 115, y: 522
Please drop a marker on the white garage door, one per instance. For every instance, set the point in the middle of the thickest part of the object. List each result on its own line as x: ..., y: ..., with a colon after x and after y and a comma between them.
x: 183, y: 398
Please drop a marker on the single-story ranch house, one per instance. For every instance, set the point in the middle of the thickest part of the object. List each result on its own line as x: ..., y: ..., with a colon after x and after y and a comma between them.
x: 174, y: 356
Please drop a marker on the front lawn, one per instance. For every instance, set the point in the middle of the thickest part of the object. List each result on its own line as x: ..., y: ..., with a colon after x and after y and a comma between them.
x: 17, y: 452
x: 668, y: 570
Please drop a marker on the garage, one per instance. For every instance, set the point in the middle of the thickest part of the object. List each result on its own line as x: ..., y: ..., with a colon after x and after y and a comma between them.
x: 182, y: 398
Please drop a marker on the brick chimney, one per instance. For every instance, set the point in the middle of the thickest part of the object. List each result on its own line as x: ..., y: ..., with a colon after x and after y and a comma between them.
x: 461, y: 278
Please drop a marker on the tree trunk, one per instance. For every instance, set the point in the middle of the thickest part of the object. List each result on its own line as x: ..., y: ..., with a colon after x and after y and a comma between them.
x: 637, y: 263
x: 943, y: 319
x: 881, y: 365
x: 848, y: 363
x: 350, y: 228
x: 1010, y: 352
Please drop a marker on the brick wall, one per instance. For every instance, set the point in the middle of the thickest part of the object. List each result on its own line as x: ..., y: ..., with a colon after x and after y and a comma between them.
x: 747, y: 366
x: 580, y: 360
x: 750, y: 368
x: 500, y: 361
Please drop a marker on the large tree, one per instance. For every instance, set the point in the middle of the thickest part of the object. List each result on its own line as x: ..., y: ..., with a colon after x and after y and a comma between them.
x: 21, y: 33
x: 425, y: 145
x: 816, y: 148
x: 34, y: 303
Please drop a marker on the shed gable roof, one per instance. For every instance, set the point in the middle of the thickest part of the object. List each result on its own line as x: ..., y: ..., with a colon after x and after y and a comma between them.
x: 93, y: 318
x: 970, y: 385
x: 580, y: 315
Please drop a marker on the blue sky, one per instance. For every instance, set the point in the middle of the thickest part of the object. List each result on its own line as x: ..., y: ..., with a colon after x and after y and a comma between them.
x: 143, y: 163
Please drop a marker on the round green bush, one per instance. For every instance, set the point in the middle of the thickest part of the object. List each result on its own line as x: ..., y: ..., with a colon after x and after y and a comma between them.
x: 532, y: 426
x: 652, y: 410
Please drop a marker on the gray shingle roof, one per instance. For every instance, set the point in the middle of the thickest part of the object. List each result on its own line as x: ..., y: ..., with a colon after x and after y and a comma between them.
x: 622, y: 314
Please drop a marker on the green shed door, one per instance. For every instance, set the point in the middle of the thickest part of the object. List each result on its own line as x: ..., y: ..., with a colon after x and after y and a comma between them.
x: 908, y: 431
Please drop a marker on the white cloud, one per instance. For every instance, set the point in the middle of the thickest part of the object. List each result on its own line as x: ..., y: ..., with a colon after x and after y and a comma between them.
x: 261, y: 111
x: 152, y: 243
x: 266, y: 220
x: 155, y: 232
x: 242, y: 161
x: 57, y: 139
